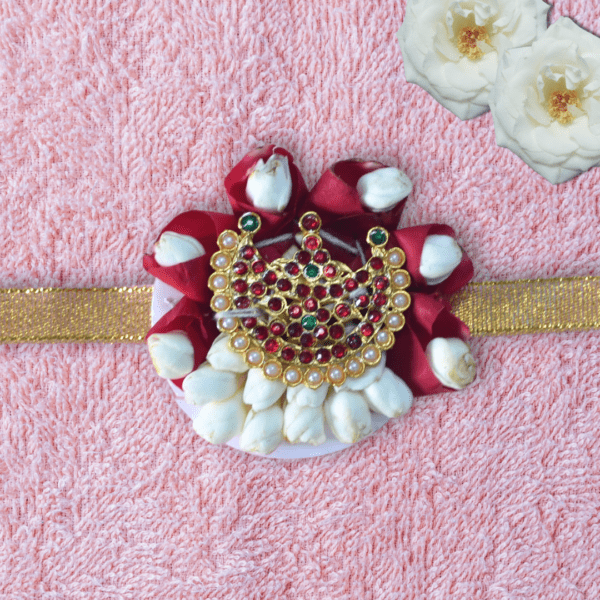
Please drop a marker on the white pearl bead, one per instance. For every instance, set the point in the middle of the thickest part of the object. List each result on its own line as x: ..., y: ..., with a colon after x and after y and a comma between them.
x: 292, y: 376
x: 400, y: 279
x: 220, y: 302
x: 370, y: 354
x: 399, y: 301
x: 240, y: 342
x: 393, y: 320
x: 220, y: 282
x: 221, y: 261
x: 272, y: 369
x: 395, y: 258
x: 228, y: 323
x: 336, y: 374
x: 254, y: 357
x: 383, y: 337
x: 315, y: 377
x: 228, y: 241
x: 354, y: 366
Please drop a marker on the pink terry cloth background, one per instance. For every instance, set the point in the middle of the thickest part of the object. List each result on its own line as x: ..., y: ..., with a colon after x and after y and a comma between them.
x: 116, y: 116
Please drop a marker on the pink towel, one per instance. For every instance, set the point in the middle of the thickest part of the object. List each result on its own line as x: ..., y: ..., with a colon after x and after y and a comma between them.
x: 116, y: 116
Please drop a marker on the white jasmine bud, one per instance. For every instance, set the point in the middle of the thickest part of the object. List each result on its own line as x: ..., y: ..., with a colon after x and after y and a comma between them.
x: 218, y: 422
x: 383, y: 188
x: 174, y: 248
x: 389, y: 396
x: 269, y: 185
x: 172, y: 354
x: 451, y: 361
x: 223, y: 358
x: 263, y: 430
x: 370, y: 375
x: 348, y: 416
x: 305, y: 424
x: 305, y: 396
x: 441, y: 255
x: 261, y: 392
x: 206, y: 384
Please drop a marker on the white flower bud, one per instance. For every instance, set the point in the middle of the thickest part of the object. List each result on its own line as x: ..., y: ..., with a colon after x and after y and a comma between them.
x: 174, y: 248
x: 441, y: 255
x: 269, y: 185
x: 263, y: 430
x: 451, y: 361
x: 383, y: 188
x: 218, y: 422
x: 223, y: 358
x: 172, y: 354
x: 389, y: 396
x: 261, y: 392
x: 370, y: 375
x: 304, y: 424
x: 348, y: 416
x: 305, y: 396
x: 206, y: 384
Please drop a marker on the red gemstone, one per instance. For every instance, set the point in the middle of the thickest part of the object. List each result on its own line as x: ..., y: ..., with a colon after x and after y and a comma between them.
x: 323, y: 355
x: 259, y: 266
x: 336, y: 290
x: 374, y: 316
x: 240, y: 286
x: 249, y: 322
x: 321, y: 257
x: 306, y: 340
x: 247, y: 252
x: 342, y: 310
x: 305, y: 357
x: 362, y: 301
x: 338, y: 351
x: 379, y: 299
x: 303, y: 257
x: 362, y: 277
x: 367, y: 329
x: 270, y: 277
x: 311, y: 242
x: 310, y: 304
x: 288, y: 353
x: 271, y: 346
x: 284, y: 285
x: 295, y: 311
x: 311, y: 222
x: 257, y: 288
x: 354, y: 341
x: 277, y: 328
x: 320, y: 332
x: 275, y: 304
x: 302, y: 290
x: 336, y: 332
x: 295, y: 329
x: 329, y: 271
x: 292, y: 269
x: 381, y: 282
x: 376, y: 263
x: 323, y: 315
x: 320, y: 292
x: 239, y: 268
x: 242, y: 302
x: 351, y: 285
x: 261, y: 333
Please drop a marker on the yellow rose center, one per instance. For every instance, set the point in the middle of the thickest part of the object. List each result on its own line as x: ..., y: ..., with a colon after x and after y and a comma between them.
x: 559, y: 103
x: 470, y: 39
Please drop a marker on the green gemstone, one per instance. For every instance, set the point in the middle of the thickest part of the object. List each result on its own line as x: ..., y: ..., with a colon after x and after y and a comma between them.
x: 309, y: 322
x: 379, y: 236
x: 311, y: 271
x: 249, y: 223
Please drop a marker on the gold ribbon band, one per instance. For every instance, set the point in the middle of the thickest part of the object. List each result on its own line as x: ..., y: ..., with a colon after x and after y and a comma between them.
x: 123, y: 314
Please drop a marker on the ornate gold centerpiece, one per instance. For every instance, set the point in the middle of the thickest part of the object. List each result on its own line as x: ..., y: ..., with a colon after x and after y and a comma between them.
x: 308, y: 319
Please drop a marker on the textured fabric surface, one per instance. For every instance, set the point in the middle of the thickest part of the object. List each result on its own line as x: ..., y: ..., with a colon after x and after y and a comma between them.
x: 115, y: 116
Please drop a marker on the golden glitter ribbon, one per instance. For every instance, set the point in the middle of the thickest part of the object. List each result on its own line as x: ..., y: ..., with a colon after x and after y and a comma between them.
x: 123, y: 314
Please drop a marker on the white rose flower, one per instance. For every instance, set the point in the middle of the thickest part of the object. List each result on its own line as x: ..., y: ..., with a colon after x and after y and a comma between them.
x: 174, y: 248
x: 383, y: 188
x: 172, y: 354
x: 546, y: 102
x: 451, y: 47
x: 261, y: 392
x: 218, y: 422
x: 223, y: 358
x: 389, y: 395
x: 269, y: 185
x: 263, y: 430
x: 305, y: 396
x: 305, y: 424
x: 348, y: 416
x: 206, y: 384
x: 451, y: 361
x: 441, y: 255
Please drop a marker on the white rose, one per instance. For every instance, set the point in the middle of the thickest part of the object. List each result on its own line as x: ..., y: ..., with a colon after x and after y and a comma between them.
x: 389, y: 395
x: 261, y: 392
x: 206, y: 384
x: 382, y: 189
x: 546, y: 102
x: 218, y: 422
x: 269, y: 185
x: 263, y: 430
x: 223, y: 358
x: 172, y: 354
x: 440, y: 256
x: 174, y: 248
x: 348, y: 416
x: 304, y: 424
x: 451, y: 361
x: 305, y: 396
x: 451, y: 47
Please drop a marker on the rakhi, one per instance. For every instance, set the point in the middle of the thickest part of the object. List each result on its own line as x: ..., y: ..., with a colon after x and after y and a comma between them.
x: 302, y: 322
